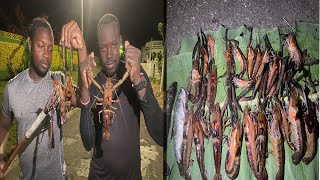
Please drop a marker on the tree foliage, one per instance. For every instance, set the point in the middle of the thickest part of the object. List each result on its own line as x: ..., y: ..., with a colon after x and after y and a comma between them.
x: 161, y: 28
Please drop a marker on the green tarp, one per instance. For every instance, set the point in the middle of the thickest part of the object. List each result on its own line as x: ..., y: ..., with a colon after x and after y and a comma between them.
x: 179, y: 67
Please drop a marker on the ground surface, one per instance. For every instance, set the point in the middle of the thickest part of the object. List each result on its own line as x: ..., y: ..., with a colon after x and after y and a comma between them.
x: 186, y: 17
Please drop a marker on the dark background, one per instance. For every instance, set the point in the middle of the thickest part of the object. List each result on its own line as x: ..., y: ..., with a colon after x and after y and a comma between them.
x: 185, y: 16
x: 139, y: 18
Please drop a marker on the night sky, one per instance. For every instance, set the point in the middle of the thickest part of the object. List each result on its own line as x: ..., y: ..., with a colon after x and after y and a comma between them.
x: 139, y: 18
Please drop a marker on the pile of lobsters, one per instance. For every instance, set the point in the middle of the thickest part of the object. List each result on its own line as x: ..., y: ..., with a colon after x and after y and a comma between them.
x: 285, y: 98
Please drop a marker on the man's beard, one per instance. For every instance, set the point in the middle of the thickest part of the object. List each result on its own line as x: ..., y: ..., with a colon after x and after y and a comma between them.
x: 37, y: 70
x: 111, y: 73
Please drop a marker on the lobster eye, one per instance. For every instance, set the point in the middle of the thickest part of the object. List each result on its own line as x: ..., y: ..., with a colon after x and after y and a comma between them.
x: 261, y: 131
x: 196, y: 141
x: 246, y: 137
x: 215, y: 133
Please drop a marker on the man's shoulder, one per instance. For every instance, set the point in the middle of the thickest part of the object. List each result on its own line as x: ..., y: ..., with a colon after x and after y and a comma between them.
x: 18, y: 78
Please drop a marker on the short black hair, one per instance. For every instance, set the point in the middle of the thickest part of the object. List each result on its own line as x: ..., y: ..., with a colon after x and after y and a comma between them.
x: 39, y: 22
x: 108, y: 18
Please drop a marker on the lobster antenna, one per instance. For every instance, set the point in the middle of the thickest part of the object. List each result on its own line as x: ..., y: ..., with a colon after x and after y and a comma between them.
x: 71, y: 60
x: 94, y: 101
x: 288, y: 23
x: 64, y: 58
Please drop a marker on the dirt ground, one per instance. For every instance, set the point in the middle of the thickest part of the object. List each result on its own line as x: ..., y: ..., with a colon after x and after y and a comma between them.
x: 185, y: 17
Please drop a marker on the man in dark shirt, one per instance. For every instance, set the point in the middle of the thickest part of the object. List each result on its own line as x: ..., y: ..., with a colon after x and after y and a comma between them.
x: 119, y: 156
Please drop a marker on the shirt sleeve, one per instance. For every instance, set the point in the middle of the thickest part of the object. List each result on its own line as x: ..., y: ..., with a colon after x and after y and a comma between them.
x: 152, y: 113
x: 87, y: 130
x: 6, y: 110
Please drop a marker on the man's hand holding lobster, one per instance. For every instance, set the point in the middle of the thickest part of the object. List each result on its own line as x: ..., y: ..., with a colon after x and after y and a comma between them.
x: 133, y: 61
x: 71, y: 35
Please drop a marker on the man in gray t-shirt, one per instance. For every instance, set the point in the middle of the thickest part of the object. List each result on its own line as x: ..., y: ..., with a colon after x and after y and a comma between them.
x: 23, y: 98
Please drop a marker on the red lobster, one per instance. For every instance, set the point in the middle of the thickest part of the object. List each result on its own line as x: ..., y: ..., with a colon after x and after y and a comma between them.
x: 107, y: 100
x: 216, y: 131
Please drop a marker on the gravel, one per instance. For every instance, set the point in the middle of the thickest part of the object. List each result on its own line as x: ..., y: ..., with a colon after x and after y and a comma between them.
x: 186, y: 17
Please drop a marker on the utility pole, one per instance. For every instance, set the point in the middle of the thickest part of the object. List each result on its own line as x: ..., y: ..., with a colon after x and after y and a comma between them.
x: 82, y: 16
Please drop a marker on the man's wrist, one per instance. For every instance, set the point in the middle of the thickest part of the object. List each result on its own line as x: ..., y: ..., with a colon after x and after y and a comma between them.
x: 141, y: 84
x: 85, y: 102
x: 85, y: 96
x: 83, y: 52
x: 137, y: 80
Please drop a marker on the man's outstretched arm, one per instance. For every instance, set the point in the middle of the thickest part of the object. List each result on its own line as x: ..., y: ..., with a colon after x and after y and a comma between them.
x: 71, y: 35
x: 152, y: 113
x: 87, y: 129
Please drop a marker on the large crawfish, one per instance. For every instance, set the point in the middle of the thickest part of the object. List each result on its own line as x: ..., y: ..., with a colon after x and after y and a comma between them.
x: 106, y: 104
x: 69, y: 88
x: 297, y: 59
x: 194, y: 83
x: 261, y: 141
x: 295, y: 125
x: 250, y: 138
x: 257, y: 62
x: 69, y: 91
x: 312, y: 128
x: 240, y: 57
x: 264, y: 61
x: 106, y: 101
x: 310, y: 117
x: 216, y: 131
x: 273, y: 73
x: 232, y: 164
x: 60, y: 96
x: 284, y: 126
x: 277, y: 147
x: 230, y: 72
x: 198, y: 141
x: 251, y: 61
x: 62, y: 103
x: 212, y: 76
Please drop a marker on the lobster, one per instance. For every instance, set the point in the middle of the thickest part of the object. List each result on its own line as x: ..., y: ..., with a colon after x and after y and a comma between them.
x: 297, y: 58
x: 261, y: 140
x: 106, y: 101
x: 250, y: 139
x: 296, y: 128
x: 187, y: 144
x: 216, y: 131
x: 240, y: 57
x: 198, y: 141
x: 311, y: 128
x: 284, y: 126
x: 212, y: 75
x: 232, y: 164
x: 277, y: 147
x: 62, y: 103
x: 194, y: 83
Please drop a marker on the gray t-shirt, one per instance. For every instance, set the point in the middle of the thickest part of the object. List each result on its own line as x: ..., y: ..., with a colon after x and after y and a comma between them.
x: 23, y: 98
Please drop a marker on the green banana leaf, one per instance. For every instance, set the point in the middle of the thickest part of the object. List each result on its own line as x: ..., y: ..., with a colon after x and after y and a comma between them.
x: 179, y: 68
